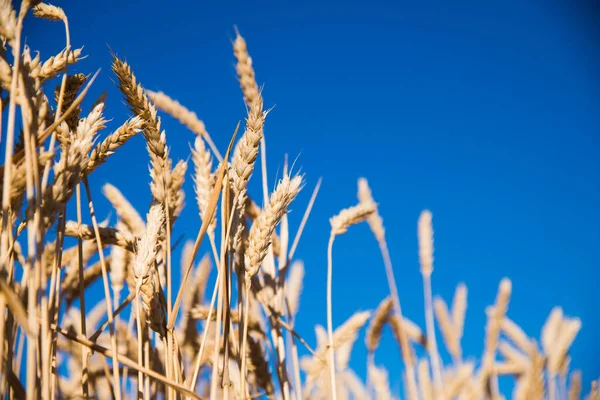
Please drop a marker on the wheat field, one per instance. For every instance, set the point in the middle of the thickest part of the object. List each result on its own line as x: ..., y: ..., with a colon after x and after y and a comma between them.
x: 154, y: 336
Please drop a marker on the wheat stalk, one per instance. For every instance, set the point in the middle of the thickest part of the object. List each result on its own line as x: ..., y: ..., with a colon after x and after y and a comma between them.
x: 115, y: 140
x: 339, y: 225
x: 262, y: 229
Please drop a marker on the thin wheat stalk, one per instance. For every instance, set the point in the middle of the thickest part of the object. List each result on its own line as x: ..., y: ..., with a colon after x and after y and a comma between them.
x: 129, y: 363
x: 57, y: 300
x: 8, y: 21
x: 130, y: 218
x: 55, y: 64
x: 61, y: 95
x: 107, y: 298
x: 84, y: 353
x: 339, y: 225
x: 375, y: 222
x: 378, y: 321
x: 14, y: 33
x: 36, y: 277
x: 105, y: 149
x: 205, y: 333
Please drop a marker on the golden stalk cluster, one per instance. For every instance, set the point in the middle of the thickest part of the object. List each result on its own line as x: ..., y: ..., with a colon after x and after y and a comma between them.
x: 156, y: 337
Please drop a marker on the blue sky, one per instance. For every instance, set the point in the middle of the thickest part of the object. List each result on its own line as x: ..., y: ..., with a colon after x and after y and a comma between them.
x: 486, y: 114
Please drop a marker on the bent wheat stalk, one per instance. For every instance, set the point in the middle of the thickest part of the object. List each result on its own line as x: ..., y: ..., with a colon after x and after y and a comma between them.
x: 339, y: 225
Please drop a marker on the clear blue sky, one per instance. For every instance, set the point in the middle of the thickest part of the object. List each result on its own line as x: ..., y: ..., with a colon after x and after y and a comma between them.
x: 486, y: 114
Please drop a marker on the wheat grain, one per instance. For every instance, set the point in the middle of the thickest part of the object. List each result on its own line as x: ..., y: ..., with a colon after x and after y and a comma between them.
x: 492, y: 330
x: 50, y: 68
x: 202, y: 177
x: 350, y: 216
x: 115, y: 140
x: 551, y: 329
x: 245, y: 71
x: 244, y: 155
x: 345, y: 333
x: 459, y: 309
x: 258, y: 366
x: 413, y: 332
x: 515, y: 334
x: 575, y: 386
x: 375, y: 329
x: 119, y: 262
x: 374, y: 220
x: 447, y: 328
x: 293, y: 287
x: 145, y: 274
x: 186, y: 117
x: 425, y: 235
x: 49, y: 12
x: 8, y: 20
x: 512, y: 355
x: 109, y: 236
x: 67, y: 172
x: 128, y: 214
x: 262, y: 229
x: 72, y: 85
x: 566, y: 335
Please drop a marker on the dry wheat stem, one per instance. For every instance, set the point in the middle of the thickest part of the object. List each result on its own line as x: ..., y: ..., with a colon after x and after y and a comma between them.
x: 220, y: 173
x: 107, y: 297
x: 339, y: 225
x: 84, y: 353
x: 375, y: 222
x: 129, y: 363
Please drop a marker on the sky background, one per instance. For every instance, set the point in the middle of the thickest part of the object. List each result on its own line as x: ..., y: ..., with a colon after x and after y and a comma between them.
x: 487, y: 114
